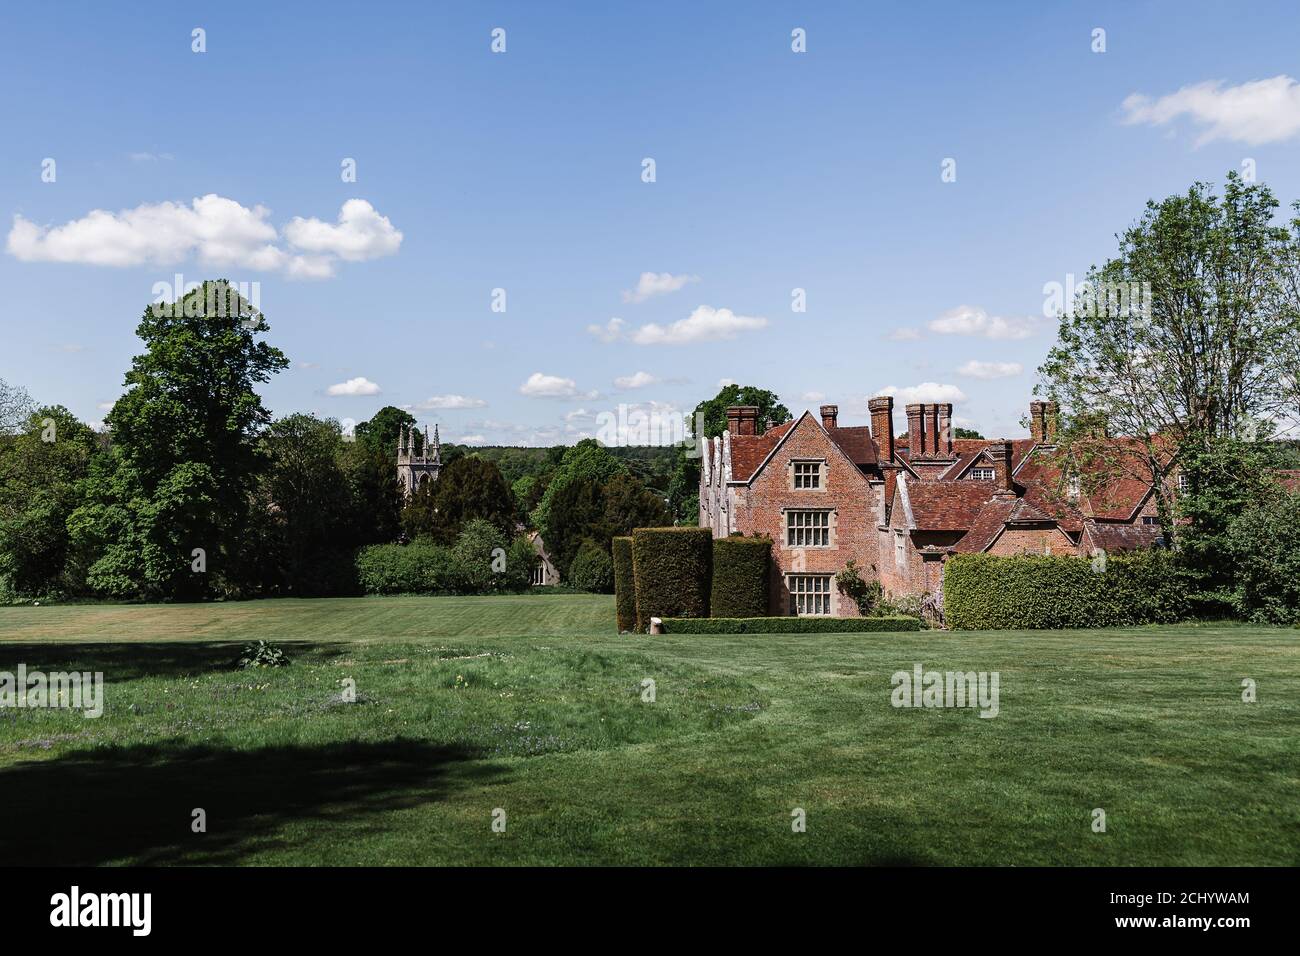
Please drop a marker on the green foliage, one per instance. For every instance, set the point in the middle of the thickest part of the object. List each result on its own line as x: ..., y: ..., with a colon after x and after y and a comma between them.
x: 968, y: 433
x: 672, y: 568
x: 262, y: 654
x: 38, y: 492
x: 187, y: 458
x: 586, y: 461
x: 983, y: 591
x: 381, y: 433
x: 482, y: 561
x: 788, y: 625
x: 468, y: 489
x: 592, y: 570
x: 1263, y: 547
x: 740, y: 577
x: 624, y: 585
x: 866, y: 595
x: 591, y: 510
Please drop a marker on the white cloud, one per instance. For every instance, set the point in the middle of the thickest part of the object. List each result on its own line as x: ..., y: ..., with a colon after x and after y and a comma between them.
x: 724, y: 382
x: 656, y: 283
x: 705, y: 324
x: 354, y: 386
x: 149, y: 157
x: 977, y: 369
x: 309, y: 365
x: 905, y: 335
x: 105, y: 406
x: 1257, y: 112
x: 471, y: 440
x: 813, y: 396
x: 361, y: 233
x: 214, y: 230
x: 611, y: 331
x: 973, y: 320
x: 448, y: 402
x: 928, y: 392
x: 636, y: 380
x: 552, y: 386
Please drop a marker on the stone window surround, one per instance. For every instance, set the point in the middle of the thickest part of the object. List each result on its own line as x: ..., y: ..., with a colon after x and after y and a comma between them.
x: 821, y: 474
x: 831, y: 525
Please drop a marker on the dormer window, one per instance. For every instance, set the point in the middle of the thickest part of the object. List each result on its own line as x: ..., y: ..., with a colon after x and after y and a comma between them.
x: 981, y: 474
x: 1072, y: 488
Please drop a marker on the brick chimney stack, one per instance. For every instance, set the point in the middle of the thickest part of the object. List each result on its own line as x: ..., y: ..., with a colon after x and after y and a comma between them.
x: 1038, y: 421
x: 1000, y: 452
x: 830, y: 415
x: 1050, y: 415
x: 943, y: 430
x: 882, y: 425
x: 742, y: 419
x: 916, y: 431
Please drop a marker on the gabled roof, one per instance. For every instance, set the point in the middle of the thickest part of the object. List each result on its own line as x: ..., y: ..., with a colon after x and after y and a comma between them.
x: 750, y: 452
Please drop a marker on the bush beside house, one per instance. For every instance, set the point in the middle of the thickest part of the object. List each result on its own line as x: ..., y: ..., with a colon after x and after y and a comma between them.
x: 983, y: 591
x: 740, y: 576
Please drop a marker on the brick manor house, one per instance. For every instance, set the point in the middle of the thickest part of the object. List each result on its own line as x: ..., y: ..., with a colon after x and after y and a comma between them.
x: 899, y: 509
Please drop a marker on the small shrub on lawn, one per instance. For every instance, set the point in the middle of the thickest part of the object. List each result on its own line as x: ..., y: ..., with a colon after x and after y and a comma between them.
x: 788, y: 625
x: 740, y: 576
x: 673, y: 568
x: 624, y: 586
x: 262, y: 654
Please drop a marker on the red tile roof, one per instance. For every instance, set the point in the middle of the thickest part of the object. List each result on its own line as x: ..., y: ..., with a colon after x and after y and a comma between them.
x: 940, y: 505
x: 1122, y: 537
x: 855, y: 441
x: 749, y: 451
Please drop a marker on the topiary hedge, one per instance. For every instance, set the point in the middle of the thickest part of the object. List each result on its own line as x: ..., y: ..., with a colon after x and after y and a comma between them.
x: 740, y: 574
x: 672, y: 568
x: 983, y: 591
x: 624, y: 586
x: 788, y: 625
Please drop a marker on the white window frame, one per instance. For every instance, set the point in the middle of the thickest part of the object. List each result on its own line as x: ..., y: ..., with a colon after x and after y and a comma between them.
x: 983, y: 473
x: 811, y: 595
x: 900, y: 550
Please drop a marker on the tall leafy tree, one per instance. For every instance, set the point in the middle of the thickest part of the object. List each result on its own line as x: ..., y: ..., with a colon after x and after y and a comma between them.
x: 1181, y: 340
x: 468, y: 489
x: 187, y: 458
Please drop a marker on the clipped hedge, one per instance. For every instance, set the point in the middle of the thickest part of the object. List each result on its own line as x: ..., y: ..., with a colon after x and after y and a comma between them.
x: 624, y: 586
x: 788, y: 625
x: 983, y: 591
x: 672, y: 568
x: 740, y: 575
x: 592, y: 570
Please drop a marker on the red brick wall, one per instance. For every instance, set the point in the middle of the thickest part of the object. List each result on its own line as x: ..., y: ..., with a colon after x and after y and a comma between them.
x: 846, y: 492
x: 1016, y: 541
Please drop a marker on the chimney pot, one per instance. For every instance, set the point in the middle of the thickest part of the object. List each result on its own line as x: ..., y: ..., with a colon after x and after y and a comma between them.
x: 916, y: 431
x: 742, y: 419
x: 830, y: 415
x: 1000, y: 453
x: 882, y: 425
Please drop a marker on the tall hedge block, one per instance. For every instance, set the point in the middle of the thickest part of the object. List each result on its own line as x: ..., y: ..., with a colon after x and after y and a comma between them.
x: 624, y: 586
x: 740, y: 576
x: 672, y: 568
x: 982, y: 591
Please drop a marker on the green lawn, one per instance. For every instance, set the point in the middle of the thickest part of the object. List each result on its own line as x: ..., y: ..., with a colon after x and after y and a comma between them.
x: 530, y: 704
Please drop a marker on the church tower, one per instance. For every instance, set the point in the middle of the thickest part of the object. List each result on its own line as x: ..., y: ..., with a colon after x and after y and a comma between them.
x: 415, y: 470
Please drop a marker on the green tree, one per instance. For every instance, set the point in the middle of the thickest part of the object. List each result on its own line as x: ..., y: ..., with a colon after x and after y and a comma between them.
x: 40, y: 468
x: 1181, y: 340
x: 469, y: 488
x: 585, y: 461
x: 187, y: 458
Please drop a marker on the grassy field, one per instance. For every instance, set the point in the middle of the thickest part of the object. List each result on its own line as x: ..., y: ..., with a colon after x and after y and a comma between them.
x: 532, y: 706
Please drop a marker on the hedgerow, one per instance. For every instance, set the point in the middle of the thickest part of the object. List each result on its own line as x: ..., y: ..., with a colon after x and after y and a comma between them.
x: 624, y: 586
x: 788, y: 625
x: 672, y: 568
x: 740, y: 577
x: 984, y: 591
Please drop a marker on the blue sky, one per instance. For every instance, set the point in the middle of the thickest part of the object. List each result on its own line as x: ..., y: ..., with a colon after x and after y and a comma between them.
x: 522, y: 171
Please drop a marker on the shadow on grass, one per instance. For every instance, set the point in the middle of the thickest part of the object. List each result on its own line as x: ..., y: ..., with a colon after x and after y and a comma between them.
x: 130, y: 660
x: 135, y: 803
